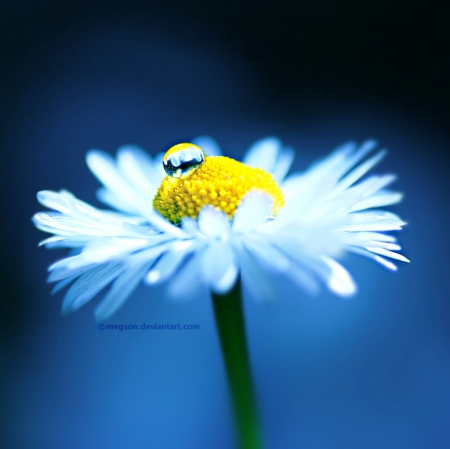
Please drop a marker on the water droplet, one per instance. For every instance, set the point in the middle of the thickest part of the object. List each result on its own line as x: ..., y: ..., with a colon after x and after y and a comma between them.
x: 182, y: 159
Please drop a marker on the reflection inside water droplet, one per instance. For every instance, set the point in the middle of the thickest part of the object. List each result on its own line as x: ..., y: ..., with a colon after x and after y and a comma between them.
x: 182, y: 159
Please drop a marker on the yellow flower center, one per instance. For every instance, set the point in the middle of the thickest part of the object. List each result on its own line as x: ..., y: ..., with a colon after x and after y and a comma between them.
x: 220, y: 182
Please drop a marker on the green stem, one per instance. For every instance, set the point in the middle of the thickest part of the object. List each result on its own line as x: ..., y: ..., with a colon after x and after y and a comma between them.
x: 231, y: 327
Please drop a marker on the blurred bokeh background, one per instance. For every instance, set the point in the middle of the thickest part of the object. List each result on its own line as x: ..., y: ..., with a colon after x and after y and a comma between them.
x: 372, y: 372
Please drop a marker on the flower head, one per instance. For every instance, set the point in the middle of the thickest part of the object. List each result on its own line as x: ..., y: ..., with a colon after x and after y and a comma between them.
x: 220, y: 182
x: 213, y: 219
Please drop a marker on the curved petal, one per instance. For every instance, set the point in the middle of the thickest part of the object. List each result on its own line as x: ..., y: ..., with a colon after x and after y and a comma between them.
x: 122, y: 288
x: 358, y: 172
x: 379, y: 199
x: 330, y: 170
x: 213, y: 222
x: 61, y: 284
x: 137, y: 167
x: 104, y: 167
x: 283, y: 164
x: 219, y: 267
x: 381, y: 260
x: 188, y: 279
x: 89, y: 284
x: 263, y: 154
x: 169, y: 262
x: 208, y: 145
x: 270, y: 255
x: 339, y: 280
x: 255, y: 208
x: 254, y: 278
x: 387, y: 253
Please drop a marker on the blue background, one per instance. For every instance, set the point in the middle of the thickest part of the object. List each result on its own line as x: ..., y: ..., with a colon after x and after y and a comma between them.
x: 371, y: 372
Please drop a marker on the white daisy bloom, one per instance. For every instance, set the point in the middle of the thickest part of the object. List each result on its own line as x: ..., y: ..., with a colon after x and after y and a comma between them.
x: 329, y: 209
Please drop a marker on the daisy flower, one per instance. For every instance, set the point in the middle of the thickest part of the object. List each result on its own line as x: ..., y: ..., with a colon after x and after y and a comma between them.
x: 195, y: 219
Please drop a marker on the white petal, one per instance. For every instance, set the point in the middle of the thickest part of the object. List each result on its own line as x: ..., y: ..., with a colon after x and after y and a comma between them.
x: 208, y: 145
x: 61, y: 284
x: 328, y: 170
x: 274, y: 259
x: 263, y: 154
x: 66, y: 243
x: 309, y: 196
x: 219, y: 268
x: 158, y: 165
x: 213, y: 222
x: 254, y: 278
x: 104, y: 168
x: 329, y: 210
x: 69, y: 206
x: 387, y: 253
x: 102, y: 250
x: 189, y: 225
x: 68, y: 267
x: 386, y: 263
x: 354, y: 157
x: 376, y: 243
x: 139, y: 229
x: 339, y: 280
x: 85, y: 211
x: 116, y: 202
x: 305, y: 259
x: 380, y: 199
x: 289, y: 246
x: 302, y: 278
x: 73, y: 227
x: 377, y: 220
x: 255, y: 208
x: 385, y: 245
x: 137, y: 167
x: 376, y: 226
x: 293, y: 186
x: 358, y: 172
x: 163, y: 225
x: 54, y: 200
x: 363, y: 238
x: 53, y: 239
x: 373, y: 184
x: 122, y: 288
x: 169, y: 262
x: 381, y: 260
x: 188, y: 279
x: 269, y: 255
x: 89, y: 284
x: 374, y: 236
x: 110, y: 248
x: 78, y: 211
x: 283, y: 164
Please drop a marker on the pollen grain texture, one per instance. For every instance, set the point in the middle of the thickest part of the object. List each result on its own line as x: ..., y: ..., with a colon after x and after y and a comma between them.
x: 221, y: 182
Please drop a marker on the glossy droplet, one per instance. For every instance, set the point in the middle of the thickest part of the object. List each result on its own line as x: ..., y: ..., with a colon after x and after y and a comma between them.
x: 183, y: 158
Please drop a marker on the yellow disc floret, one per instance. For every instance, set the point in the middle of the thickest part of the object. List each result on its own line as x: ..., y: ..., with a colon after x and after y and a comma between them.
x: 220, y: 182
